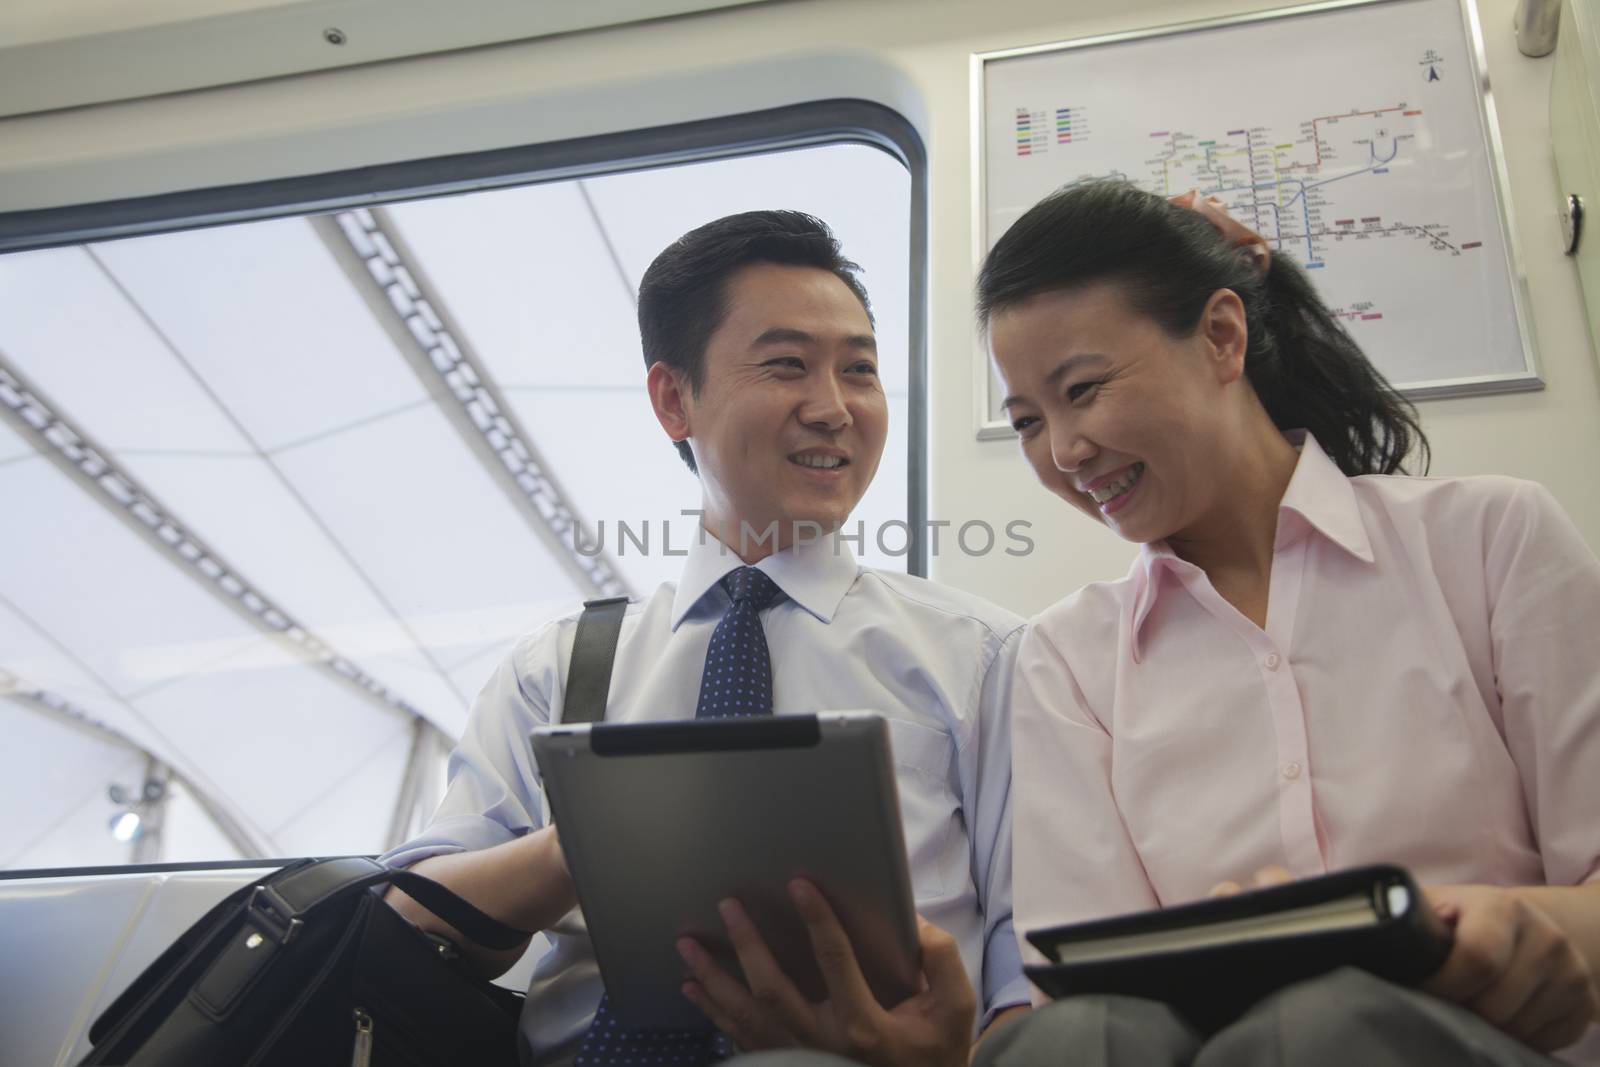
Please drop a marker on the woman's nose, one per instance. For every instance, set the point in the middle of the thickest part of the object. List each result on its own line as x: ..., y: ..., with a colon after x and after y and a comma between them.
x: 1069, y: 450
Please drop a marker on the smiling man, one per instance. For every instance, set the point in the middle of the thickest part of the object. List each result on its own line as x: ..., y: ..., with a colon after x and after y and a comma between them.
x: 782, y: 398
x: 763, y: 370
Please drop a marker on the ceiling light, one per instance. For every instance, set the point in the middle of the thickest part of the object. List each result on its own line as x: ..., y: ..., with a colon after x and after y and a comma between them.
x: 126, y: 825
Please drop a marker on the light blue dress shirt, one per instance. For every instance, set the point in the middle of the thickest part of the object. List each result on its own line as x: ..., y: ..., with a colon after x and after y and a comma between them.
x: 936, y: 662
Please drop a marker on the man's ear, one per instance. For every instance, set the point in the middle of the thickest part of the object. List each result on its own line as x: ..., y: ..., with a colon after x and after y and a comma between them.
x: 670, y: 395
x: 1223, y: 325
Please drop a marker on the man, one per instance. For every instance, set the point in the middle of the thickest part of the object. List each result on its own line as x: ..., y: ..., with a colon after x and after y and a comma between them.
x: 763, y: 371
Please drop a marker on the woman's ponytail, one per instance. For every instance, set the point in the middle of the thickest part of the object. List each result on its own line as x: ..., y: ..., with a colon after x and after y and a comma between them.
x: 1310, y: 374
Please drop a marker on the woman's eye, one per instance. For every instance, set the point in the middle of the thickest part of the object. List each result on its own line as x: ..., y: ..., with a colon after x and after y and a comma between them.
x: 1080, y: 390
x: 1021, y: 425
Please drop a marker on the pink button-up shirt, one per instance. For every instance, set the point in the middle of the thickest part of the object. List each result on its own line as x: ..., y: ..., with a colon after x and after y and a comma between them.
x: 1426, y: 692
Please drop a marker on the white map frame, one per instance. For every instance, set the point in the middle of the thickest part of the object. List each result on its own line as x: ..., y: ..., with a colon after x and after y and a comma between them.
x: 1505, y: 281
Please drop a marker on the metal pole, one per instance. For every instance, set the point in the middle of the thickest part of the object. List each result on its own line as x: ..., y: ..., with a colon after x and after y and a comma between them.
x: 1537, y: 23
x: 414, y: 801
x: 154, y: 792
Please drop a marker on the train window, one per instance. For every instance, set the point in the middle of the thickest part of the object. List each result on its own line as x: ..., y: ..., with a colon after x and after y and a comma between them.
x: 279, y: 495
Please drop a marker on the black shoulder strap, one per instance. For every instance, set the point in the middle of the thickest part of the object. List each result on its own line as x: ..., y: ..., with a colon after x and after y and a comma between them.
x: 279, y: 902
x: 294, y: 893
x: 593, y: 648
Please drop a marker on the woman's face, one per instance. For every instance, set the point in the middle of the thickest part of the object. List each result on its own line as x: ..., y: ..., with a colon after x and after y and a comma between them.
x: 1116, y: 416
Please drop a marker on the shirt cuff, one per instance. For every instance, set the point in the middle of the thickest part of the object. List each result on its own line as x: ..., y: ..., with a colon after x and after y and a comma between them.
x: 458, y: 833
x: 1003, y: 981
x: 1013, y: 994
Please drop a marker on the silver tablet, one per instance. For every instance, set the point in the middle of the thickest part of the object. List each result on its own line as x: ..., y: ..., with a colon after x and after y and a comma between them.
x: 660, y: 821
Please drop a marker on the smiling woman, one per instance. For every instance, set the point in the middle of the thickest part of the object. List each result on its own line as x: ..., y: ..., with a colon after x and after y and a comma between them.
x: 1303, y: 629
x: 321, y: 471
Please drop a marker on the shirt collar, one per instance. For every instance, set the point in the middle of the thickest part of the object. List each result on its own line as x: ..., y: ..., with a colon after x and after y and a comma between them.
x: 815, y: 576
x: 1154, y: 561
x: 1319, y: 497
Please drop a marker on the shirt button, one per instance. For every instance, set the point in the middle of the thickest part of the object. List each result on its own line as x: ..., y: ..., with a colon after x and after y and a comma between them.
x: 1272, y: 661
x: 1291, y: 770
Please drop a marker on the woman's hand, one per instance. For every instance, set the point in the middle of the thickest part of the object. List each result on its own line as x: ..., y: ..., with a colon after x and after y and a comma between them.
x: 1236, y: 233
x: 933, y: 1028
x: 1266, y: 876
x: 1513, y: 965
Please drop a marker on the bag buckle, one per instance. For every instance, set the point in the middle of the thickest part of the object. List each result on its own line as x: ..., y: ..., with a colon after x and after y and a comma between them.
x: 279, y: 922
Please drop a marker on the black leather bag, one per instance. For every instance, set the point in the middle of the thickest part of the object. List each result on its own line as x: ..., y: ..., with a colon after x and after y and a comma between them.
x: 308, y: 966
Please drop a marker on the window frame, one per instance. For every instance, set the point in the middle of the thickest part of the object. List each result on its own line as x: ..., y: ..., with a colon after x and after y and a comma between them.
x: 841, y: 121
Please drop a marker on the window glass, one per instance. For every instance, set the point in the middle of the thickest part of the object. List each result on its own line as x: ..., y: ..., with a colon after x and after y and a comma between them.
x: 282, y: 514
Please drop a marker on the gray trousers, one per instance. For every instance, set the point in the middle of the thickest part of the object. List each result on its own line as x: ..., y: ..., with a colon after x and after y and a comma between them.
x: 783, y: 1057
x: 789, y: 1057
x: 1347, y: 1017
x: 1341, y: 1019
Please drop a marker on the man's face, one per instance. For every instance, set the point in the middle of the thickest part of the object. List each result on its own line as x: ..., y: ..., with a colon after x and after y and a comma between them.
x: 790, y: 420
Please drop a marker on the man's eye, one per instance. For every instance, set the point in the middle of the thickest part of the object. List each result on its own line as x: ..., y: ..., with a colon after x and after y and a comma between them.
x: 788, y: 362
x: 1081, y: 390
x: 1024, y: 422
x: 865, y: 367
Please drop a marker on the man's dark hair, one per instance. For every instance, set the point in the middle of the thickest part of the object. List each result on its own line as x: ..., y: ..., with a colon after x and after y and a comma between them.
x: 683, y: 296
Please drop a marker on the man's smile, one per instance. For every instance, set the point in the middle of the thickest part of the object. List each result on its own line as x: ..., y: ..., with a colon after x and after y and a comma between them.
x: 822, y: 460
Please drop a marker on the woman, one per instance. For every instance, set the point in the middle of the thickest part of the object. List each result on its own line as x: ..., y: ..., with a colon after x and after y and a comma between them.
x: 1317, y: 661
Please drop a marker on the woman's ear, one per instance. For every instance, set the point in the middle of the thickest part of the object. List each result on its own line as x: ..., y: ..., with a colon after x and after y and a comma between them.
x: 670, y: 396
x: 1224, y: 327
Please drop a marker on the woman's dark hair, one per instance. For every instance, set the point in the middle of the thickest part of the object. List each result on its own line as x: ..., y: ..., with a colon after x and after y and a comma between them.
x: 683, y: 295
x: 1309, y: 373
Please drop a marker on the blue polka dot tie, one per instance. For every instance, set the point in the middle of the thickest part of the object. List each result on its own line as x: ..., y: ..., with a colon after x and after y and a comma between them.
x: 736, y: 681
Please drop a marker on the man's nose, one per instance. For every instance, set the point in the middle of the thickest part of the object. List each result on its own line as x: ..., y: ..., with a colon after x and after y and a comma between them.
x: 825, y: 406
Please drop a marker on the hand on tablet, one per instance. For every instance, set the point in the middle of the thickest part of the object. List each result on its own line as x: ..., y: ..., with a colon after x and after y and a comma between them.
x: 931, y: 1029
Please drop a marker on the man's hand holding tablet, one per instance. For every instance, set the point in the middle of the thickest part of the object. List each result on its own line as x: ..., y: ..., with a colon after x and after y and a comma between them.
x: 770, y: 861
x: 931, y: 1028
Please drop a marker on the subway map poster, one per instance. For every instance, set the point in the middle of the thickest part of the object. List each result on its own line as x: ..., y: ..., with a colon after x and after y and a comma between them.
x: 1354, y: 138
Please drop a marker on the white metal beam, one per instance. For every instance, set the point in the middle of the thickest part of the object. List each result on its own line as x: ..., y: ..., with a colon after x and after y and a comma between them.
x: 391, y: 280
x: 26, y: 410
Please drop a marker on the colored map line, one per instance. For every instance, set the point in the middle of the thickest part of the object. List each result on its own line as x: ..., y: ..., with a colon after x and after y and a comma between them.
x: 1279, y: 184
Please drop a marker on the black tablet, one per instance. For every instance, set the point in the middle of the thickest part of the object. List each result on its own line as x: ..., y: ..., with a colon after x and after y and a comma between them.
x: 660, y: 821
